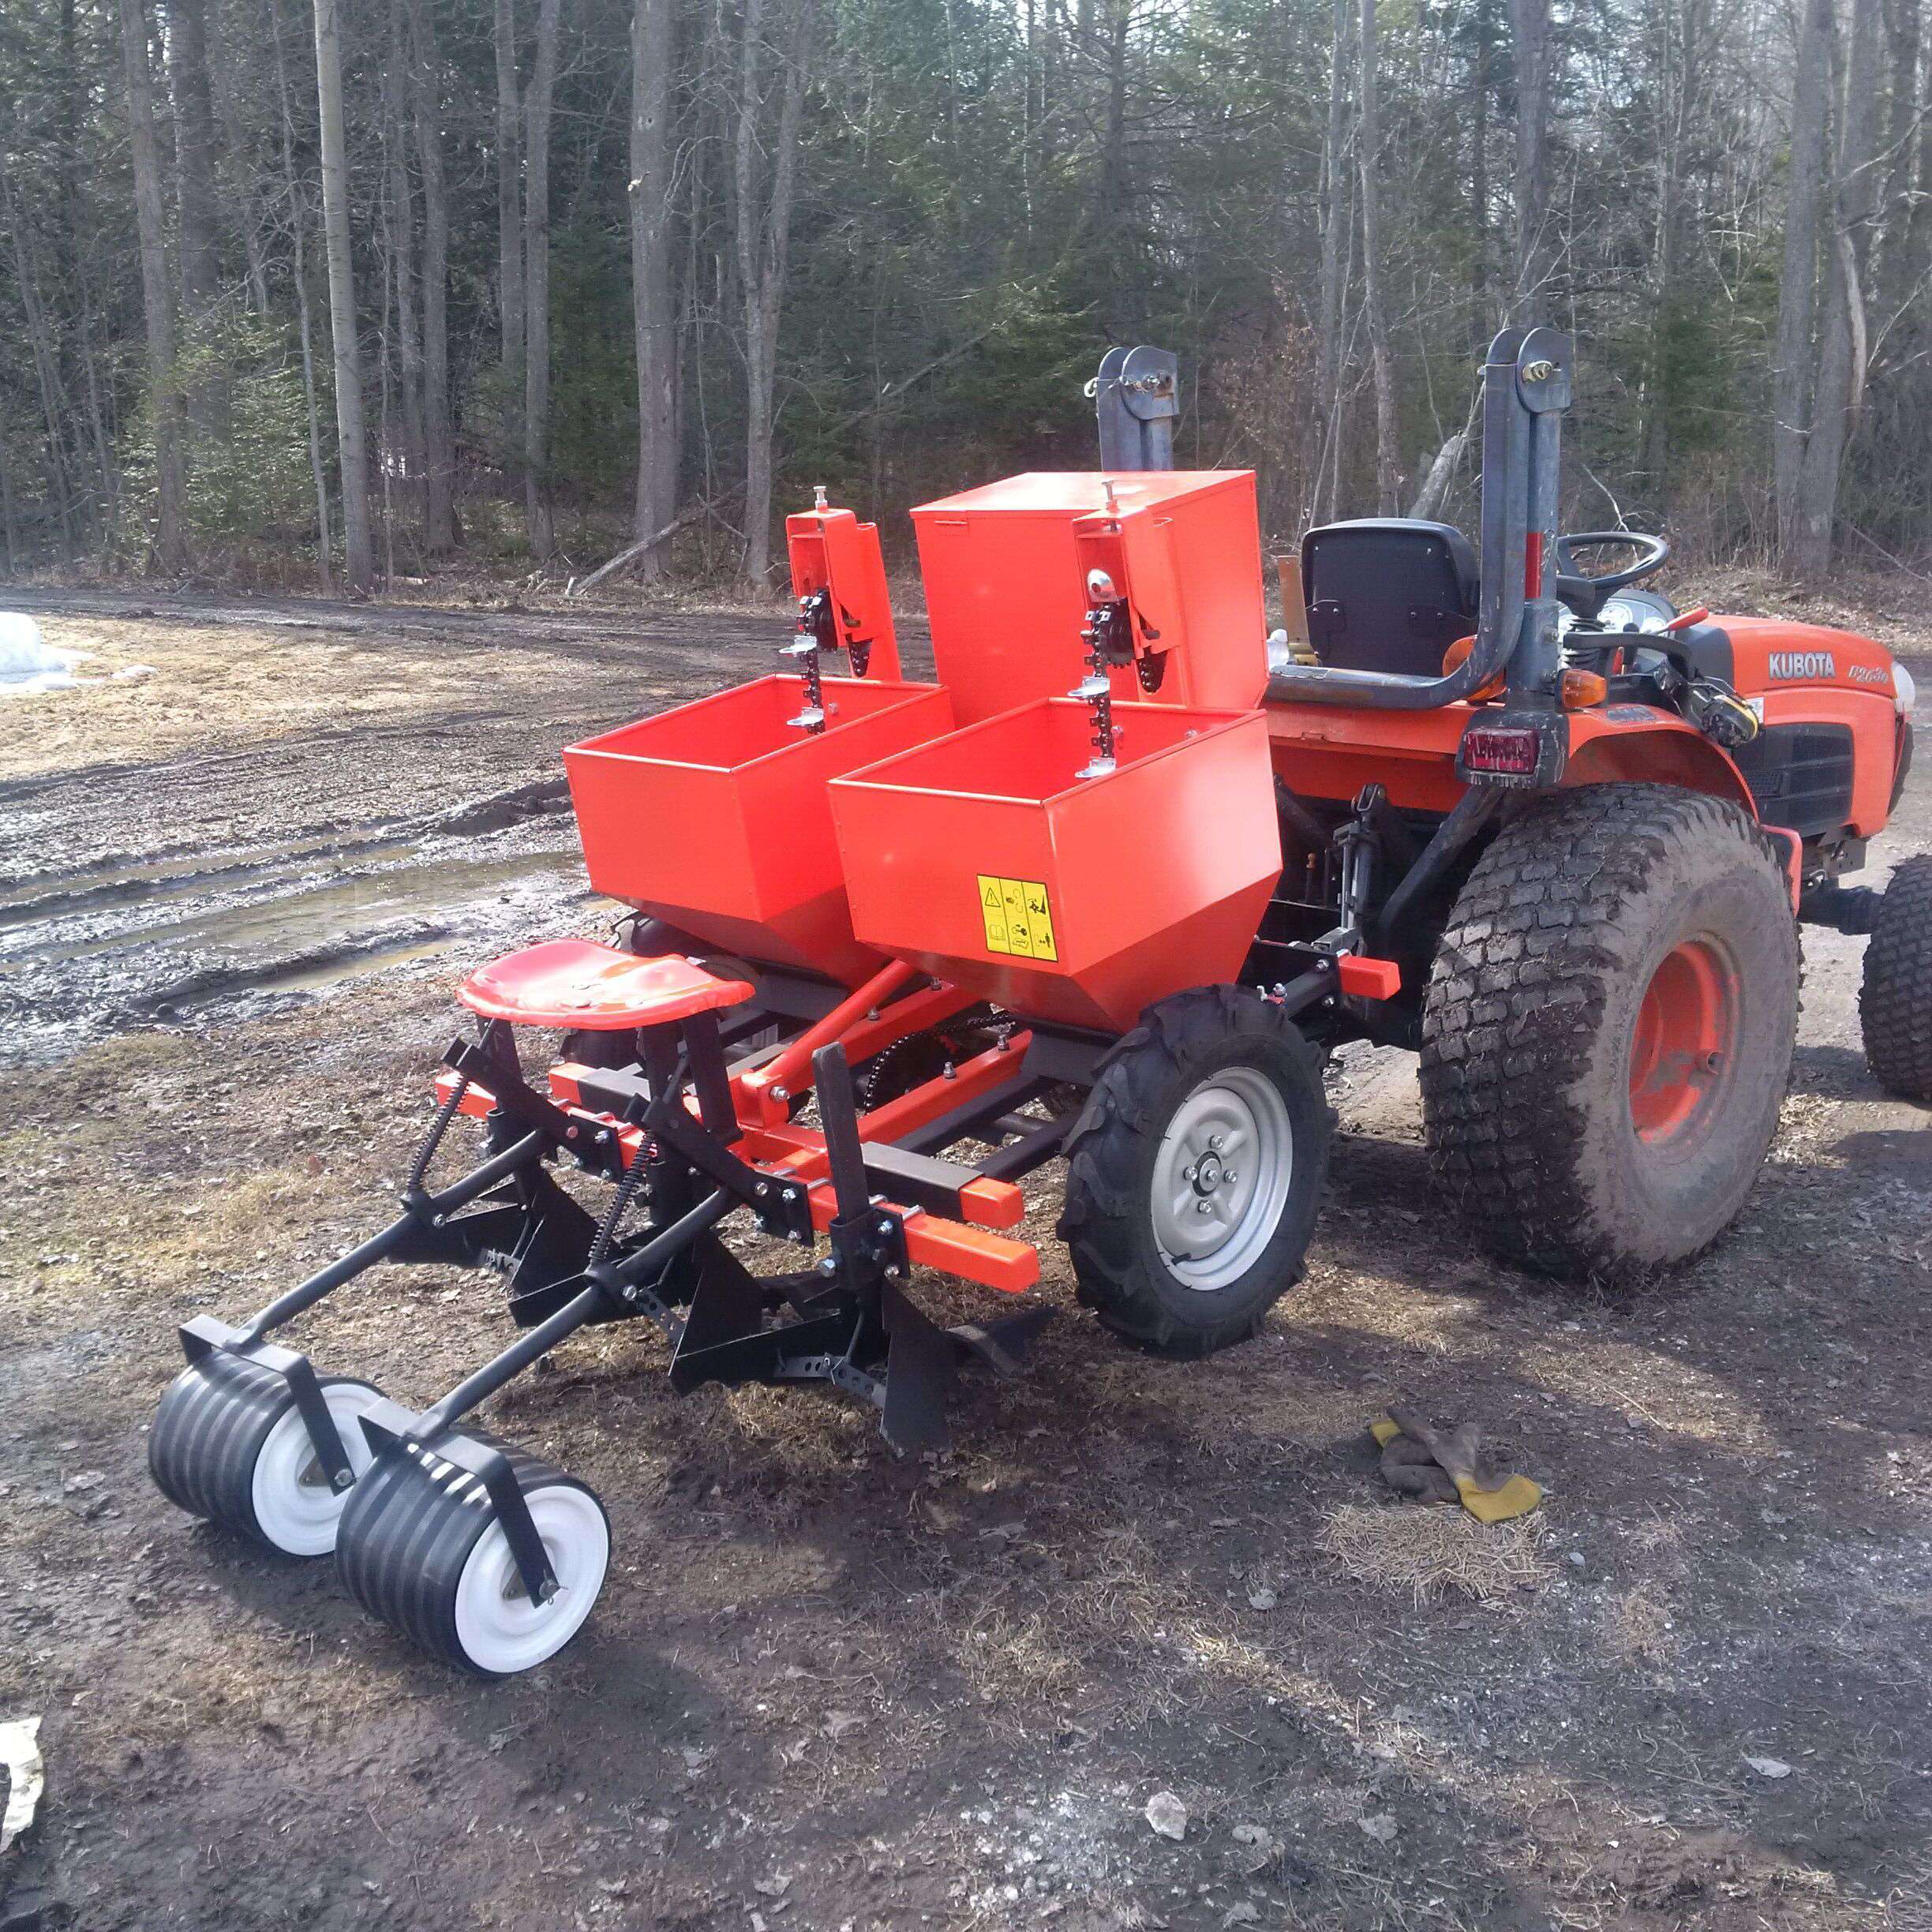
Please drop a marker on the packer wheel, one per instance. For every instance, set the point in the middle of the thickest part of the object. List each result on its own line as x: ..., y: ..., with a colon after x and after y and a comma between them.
x: 229, y: 1444
x: 421, y: 1548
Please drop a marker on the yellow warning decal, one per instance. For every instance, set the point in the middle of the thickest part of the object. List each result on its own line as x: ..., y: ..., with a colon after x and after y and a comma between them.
x: 1019, y: 920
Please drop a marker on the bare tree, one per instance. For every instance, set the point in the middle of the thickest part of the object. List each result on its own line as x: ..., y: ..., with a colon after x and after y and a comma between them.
x: 358, y: 567
x: 509, y: 201
x: 653, y: 273
x: 1529, y: 28
x: 1381, y: 364
x: 1334, y: 220
x: 439, y: 433
x: 1791, y: 367
x: 157, y: 290
x: 401, y: 228
x: 762, y: 226
x: 298, y: 230
x: 1838, y: 397
x: 194, y: 155
x: 537, y: 101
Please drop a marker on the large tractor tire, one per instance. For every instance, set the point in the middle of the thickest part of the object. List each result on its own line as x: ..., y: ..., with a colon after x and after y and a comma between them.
x: 1895, y: 1000
x: 1195, y: 1172
x: 1608, y: 1030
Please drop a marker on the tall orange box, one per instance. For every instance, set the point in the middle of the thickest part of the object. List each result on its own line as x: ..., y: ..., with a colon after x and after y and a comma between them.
x: 986, y: 859
x: 1006, y: 570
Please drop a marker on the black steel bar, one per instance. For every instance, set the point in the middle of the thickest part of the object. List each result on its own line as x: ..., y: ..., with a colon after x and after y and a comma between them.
x: 838, y: 1117
x: 1031, y: 1150
x: 709, y: 1080
x: 1472, y: 811
x: 459, y: 1193
x: 575, y: 1313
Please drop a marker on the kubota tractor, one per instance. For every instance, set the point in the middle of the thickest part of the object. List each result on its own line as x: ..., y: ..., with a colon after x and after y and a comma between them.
x: 1107, y: 892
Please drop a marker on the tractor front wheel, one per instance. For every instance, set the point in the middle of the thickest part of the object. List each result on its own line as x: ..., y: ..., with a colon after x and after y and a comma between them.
x: 1895, y: 1000
x: 1608, y: 1029
x: 1195, y: 1172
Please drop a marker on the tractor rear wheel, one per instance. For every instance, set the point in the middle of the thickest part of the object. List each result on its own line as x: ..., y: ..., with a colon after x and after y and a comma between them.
x: 1895, y: 1000
x: 1195, y: 1172
x: 1609, y: 1029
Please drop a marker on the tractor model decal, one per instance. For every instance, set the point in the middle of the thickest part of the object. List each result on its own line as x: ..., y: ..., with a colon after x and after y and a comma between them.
x: 1019, y: 919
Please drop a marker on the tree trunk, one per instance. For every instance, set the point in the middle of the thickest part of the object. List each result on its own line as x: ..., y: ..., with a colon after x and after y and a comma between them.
x: 439, y: 432
x: 509, y: 207
x: 246, y: 197
x: 194, y: 156
x: 1902, y: 264
x: 299, y: 225
x: 763, y: 224
x: 157, y: 290
x: 1382, y: 367
x: 1791, y: 369
x: 358, y: 567
x: 1839, y: 398
x: 536, y: 281
x: 1530, y: 27
x: 654, y: 276
x: 1482, y: 322
x: 1327, y: 425
x: 41, y: 338
x: 402, y: 258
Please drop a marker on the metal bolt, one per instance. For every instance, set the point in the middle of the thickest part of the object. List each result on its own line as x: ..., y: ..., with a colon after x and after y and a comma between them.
x: 1188, y: 1174
x: 763, y: 1188
x: 1229, y: 1177
x: 884, y: 1224
x: 828, y: 1266
x: 778, y: 1093
x: 1203, y: 1207
x: 1539, y: 371
x: 570, y: 1133
x: 630, y: 1292
x: 437, y: 1220
x: 1714, y: 1063
x: 1213, y: 1144
x: 343, y: 1479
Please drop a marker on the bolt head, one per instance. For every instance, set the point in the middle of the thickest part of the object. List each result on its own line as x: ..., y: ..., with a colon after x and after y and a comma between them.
x: 343, y: 1479
x: 778, y: 1093
x: 1188, y: 1174
x: 1229, y: 1177
x: 1204, y: 1207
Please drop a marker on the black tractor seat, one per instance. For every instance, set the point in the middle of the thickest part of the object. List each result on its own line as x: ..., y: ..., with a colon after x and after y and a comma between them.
x: 1388, y: 593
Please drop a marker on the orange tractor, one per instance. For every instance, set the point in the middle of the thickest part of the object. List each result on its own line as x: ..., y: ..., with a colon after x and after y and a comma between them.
x: 1107, y: 892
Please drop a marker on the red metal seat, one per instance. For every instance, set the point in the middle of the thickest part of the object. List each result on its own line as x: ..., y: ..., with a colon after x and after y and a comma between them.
x: 572, y: 982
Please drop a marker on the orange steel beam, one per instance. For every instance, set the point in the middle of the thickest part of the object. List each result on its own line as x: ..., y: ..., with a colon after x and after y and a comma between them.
x: 786, y: 1071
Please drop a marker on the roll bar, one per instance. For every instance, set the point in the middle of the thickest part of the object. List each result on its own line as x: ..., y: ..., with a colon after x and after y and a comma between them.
x: 1526, y: 388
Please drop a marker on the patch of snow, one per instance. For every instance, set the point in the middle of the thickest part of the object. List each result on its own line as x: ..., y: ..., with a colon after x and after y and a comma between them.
x: 27, y: 663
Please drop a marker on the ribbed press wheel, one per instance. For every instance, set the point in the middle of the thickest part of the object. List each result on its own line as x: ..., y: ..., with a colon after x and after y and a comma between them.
x: 421, y: 1548
x: 229, y: 1444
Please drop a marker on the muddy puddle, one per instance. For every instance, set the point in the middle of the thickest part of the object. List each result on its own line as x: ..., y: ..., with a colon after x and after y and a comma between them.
x: 167, y: 938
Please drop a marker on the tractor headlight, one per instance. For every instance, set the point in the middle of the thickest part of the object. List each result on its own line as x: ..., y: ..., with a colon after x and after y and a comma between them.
x: 1903, y: 691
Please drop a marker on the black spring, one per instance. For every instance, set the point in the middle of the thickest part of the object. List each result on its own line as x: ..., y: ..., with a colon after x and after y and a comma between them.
x: 433, y: 1140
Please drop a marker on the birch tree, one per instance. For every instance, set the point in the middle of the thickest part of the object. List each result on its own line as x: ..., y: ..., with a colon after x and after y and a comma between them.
x: 654, y: 276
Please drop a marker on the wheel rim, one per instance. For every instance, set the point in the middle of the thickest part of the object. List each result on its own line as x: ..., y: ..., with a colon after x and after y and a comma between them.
x: 1682, y: 1047
x: 500, y: 1630
x: 1222, y: 1175
x: 296, y: 1508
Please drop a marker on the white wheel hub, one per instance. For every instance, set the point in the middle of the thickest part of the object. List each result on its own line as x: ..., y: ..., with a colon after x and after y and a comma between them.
x: 500, y: 1630
x: 296, y: 1506
x: 1222, y: 1176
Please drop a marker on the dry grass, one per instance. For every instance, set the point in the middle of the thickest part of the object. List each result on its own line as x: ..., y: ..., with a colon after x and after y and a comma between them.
x: 1405, y: 1550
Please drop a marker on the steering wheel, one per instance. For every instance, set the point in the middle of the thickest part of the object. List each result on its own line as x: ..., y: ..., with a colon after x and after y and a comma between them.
x: 1585, y: 593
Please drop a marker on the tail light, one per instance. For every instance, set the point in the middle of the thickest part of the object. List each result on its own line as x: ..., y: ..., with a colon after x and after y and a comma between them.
x: 1509, y: 751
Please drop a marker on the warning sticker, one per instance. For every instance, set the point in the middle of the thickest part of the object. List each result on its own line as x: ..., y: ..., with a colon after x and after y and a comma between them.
x: 1018, y: 918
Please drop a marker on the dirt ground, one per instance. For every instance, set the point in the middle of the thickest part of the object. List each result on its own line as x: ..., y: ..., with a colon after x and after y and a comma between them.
x: 824, y: 1688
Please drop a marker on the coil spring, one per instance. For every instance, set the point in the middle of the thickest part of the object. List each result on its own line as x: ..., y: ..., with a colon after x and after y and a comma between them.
x: 433, y: 1140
